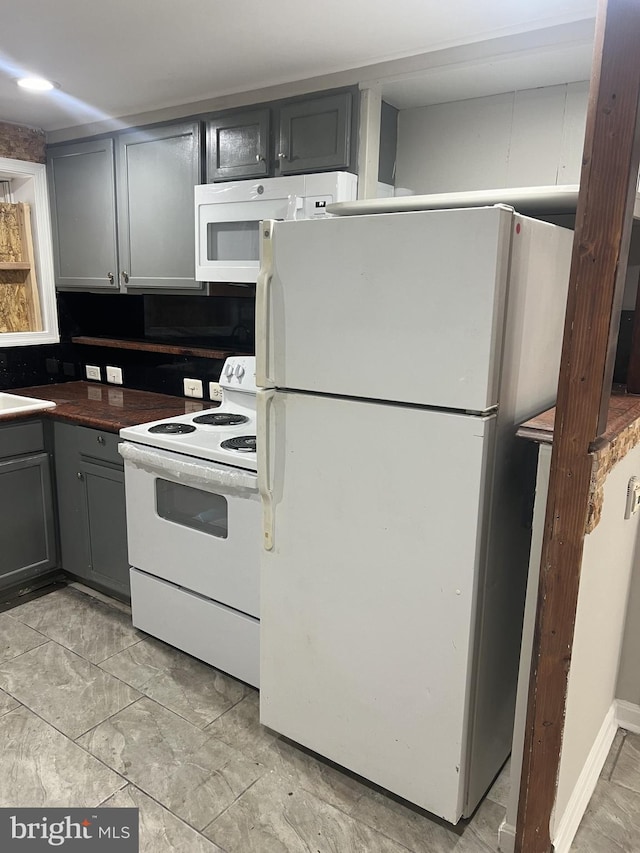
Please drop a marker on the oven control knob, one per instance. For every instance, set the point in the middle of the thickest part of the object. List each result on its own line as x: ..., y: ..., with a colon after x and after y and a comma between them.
x: 229, y: 371
x: 239, y: 371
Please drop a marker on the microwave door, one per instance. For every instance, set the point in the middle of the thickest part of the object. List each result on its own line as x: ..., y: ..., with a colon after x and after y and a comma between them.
x: 229, y: 237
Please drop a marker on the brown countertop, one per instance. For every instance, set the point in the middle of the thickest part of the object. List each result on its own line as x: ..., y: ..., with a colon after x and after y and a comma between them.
x: 624, y: 410
x: 105, y: 407
x: 620, y: 437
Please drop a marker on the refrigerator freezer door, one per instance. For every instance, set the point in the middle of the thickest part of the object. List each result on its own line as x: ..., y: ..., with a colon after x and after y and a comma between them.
x: 405, y: 307
x: 369, y: 591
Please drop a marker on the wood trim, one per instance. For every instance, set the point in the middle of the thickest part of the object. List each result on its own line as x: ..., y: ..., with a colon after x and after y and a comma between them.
x: 605, y: 209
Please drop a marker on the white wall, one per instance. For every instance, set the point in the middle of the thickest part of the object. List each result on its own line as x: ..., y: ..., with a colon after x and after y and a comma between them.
x: 527, y: 138
x: 629, y: 674
x: 610, y: 553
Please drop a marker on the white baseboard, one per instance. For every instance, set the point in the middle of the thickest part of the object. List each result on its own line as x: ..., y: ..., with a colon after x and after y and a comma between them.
x: 506, y: 837
x: 628, y: 715
x: 587, y: 781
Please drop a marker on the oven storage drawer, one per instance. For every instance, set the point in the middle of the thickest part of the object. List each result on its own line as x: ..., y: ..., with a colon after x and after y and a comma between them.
x: 215, y: 634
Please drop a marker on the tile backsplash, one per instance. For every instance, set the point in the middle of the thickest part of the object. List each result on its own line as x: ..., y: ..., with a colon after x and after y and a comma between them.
x: 204, y: 321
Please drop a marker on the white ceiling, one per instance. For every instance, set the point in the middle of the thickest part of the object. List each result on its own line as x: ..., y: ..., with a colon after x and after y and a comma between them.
x: 123, y: 57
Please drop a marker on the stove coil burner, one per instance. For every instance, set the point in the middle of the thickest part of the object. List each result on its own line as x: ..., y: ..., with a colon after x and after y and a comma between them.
x: 241, y: 444
x: 221, y: 419
x: 172, y: 429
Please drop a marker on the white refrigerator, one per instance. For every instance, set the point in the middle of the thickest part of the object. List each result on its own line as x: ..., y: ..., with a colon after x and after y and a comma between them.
x: 396, y: 353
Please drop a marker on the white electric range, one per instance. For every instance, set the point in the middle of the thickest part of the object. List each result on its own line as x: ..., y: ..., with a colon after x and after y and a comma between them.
x: 193, y: 526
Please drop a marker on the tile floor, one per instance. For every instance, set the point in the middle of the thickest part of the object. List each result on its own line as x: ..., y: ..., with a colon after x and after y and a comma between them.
x: 93, y: 712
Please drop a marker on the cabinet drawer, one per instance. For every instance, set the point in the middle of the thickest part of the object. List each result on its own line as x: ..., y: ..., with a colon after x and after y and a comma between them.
x: 17, y: 439
x: 98, y: 444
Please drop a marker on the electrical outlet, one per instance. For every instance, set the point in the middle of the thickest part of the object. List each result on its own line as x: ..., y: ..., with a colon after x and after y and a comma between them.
x: 193, y: 388
x: 92, y: 371
x: 633, y: 497
x: 114, y: 375
x: 215, y: 392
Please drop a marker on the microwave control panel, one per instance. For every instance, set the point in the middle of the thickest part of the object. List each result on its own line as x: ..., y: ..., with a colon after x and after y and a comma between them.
x: 316, y: 205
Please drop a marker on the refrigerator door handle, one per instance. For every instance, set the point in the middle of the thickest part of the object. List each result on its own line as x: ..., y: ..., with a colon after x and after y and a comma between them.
x: 263, y: 288
x: 263, y: 401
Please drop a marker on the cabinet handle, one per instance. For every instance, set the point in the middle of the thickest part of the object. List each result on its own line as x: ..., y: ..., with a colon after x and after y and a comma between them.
x: 80, y: 475
x: 111, y: 277
x: 125, y: 277
x: 282, y: 156
x: 259, y: 158
x: 100, y: 439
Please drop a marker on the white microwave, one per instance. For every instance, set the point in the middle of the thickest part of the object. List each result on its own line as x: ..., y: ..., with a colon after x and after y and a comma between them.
x: 228, y: 217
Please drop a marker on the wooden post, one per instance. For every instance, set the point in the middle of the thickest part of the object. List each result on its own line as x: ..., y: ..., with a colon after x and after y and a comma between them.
x: 598, y: 267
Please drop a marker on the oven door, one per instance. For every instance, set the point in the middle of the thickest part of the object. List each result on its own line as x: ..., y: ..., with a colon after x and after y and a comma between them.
x: 228, y: 218
x: 194, y: 523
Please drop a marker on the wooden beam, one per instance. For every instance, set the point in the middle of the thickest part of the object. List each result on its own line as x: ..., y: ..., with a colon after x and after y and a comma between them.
x: 602, y: 230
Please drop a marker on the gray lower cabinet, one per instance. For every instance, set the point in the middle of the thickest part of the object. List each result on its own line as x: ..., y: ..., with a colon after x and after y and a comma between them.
x: 91, y: 507
x: 27, y: 530
x: 238, y: 146
x: 83, y: 215
x: 122, y: 210
x: 315, y: 135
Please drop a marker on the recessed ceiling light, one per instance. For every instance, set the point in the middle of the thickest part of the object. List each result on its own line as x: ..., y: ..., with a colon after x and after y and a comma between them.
x: 36, y: 84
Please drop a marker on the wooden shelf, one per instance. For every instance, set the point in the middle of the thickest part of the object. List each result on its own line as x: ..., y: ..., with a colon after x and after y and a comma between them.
x: 150, y: 346
x: 14, y: 265
x: 19, y: 297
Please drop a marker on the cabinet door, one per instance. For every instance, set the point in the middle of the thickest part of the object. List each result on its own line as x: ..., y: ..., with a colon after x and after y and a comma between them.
x: 91, y: 508
x: 106, y: 525
x: 238, y: 146
x: 315, y: 135
x: 83, y: 215
x: 157, y: 170
x: 74, y: 547
x: 27, y: 532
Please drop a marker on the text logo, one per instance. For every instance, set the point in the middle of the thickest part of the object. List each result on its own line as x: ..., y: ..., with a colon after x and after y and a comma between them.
x: 70, y: 830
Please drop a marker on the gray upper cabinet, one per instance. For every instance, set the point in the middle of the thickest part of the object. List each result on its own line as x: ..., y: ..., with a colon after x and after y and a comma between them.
x: 122, y: 210
x: 83, y: 218
x: 238, y: 146
x: 156, y: 171
x: 315, y: 135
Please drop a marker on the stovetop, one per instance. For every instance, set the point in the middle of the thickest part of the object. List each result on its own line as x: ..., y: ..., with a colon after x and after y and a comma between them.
x: 226, y: 434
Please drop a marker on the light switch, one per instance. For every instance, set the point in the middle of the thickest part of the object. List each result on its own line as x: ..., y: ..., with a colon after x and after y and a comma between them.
x: 114, y: 375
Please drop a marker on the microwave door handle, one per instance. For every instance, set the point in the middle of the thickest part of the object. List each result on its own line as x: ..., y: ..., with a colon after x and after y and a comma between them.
x: 295, y: 207
x: 263, y: 290
x: 264, y: 399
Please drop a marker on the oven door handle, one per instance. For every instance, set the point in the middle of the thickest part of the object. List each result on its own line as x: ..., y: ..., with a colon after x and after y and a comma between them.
x: 264, y: 400
x: 263, y: 290
x: 188, y: 471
